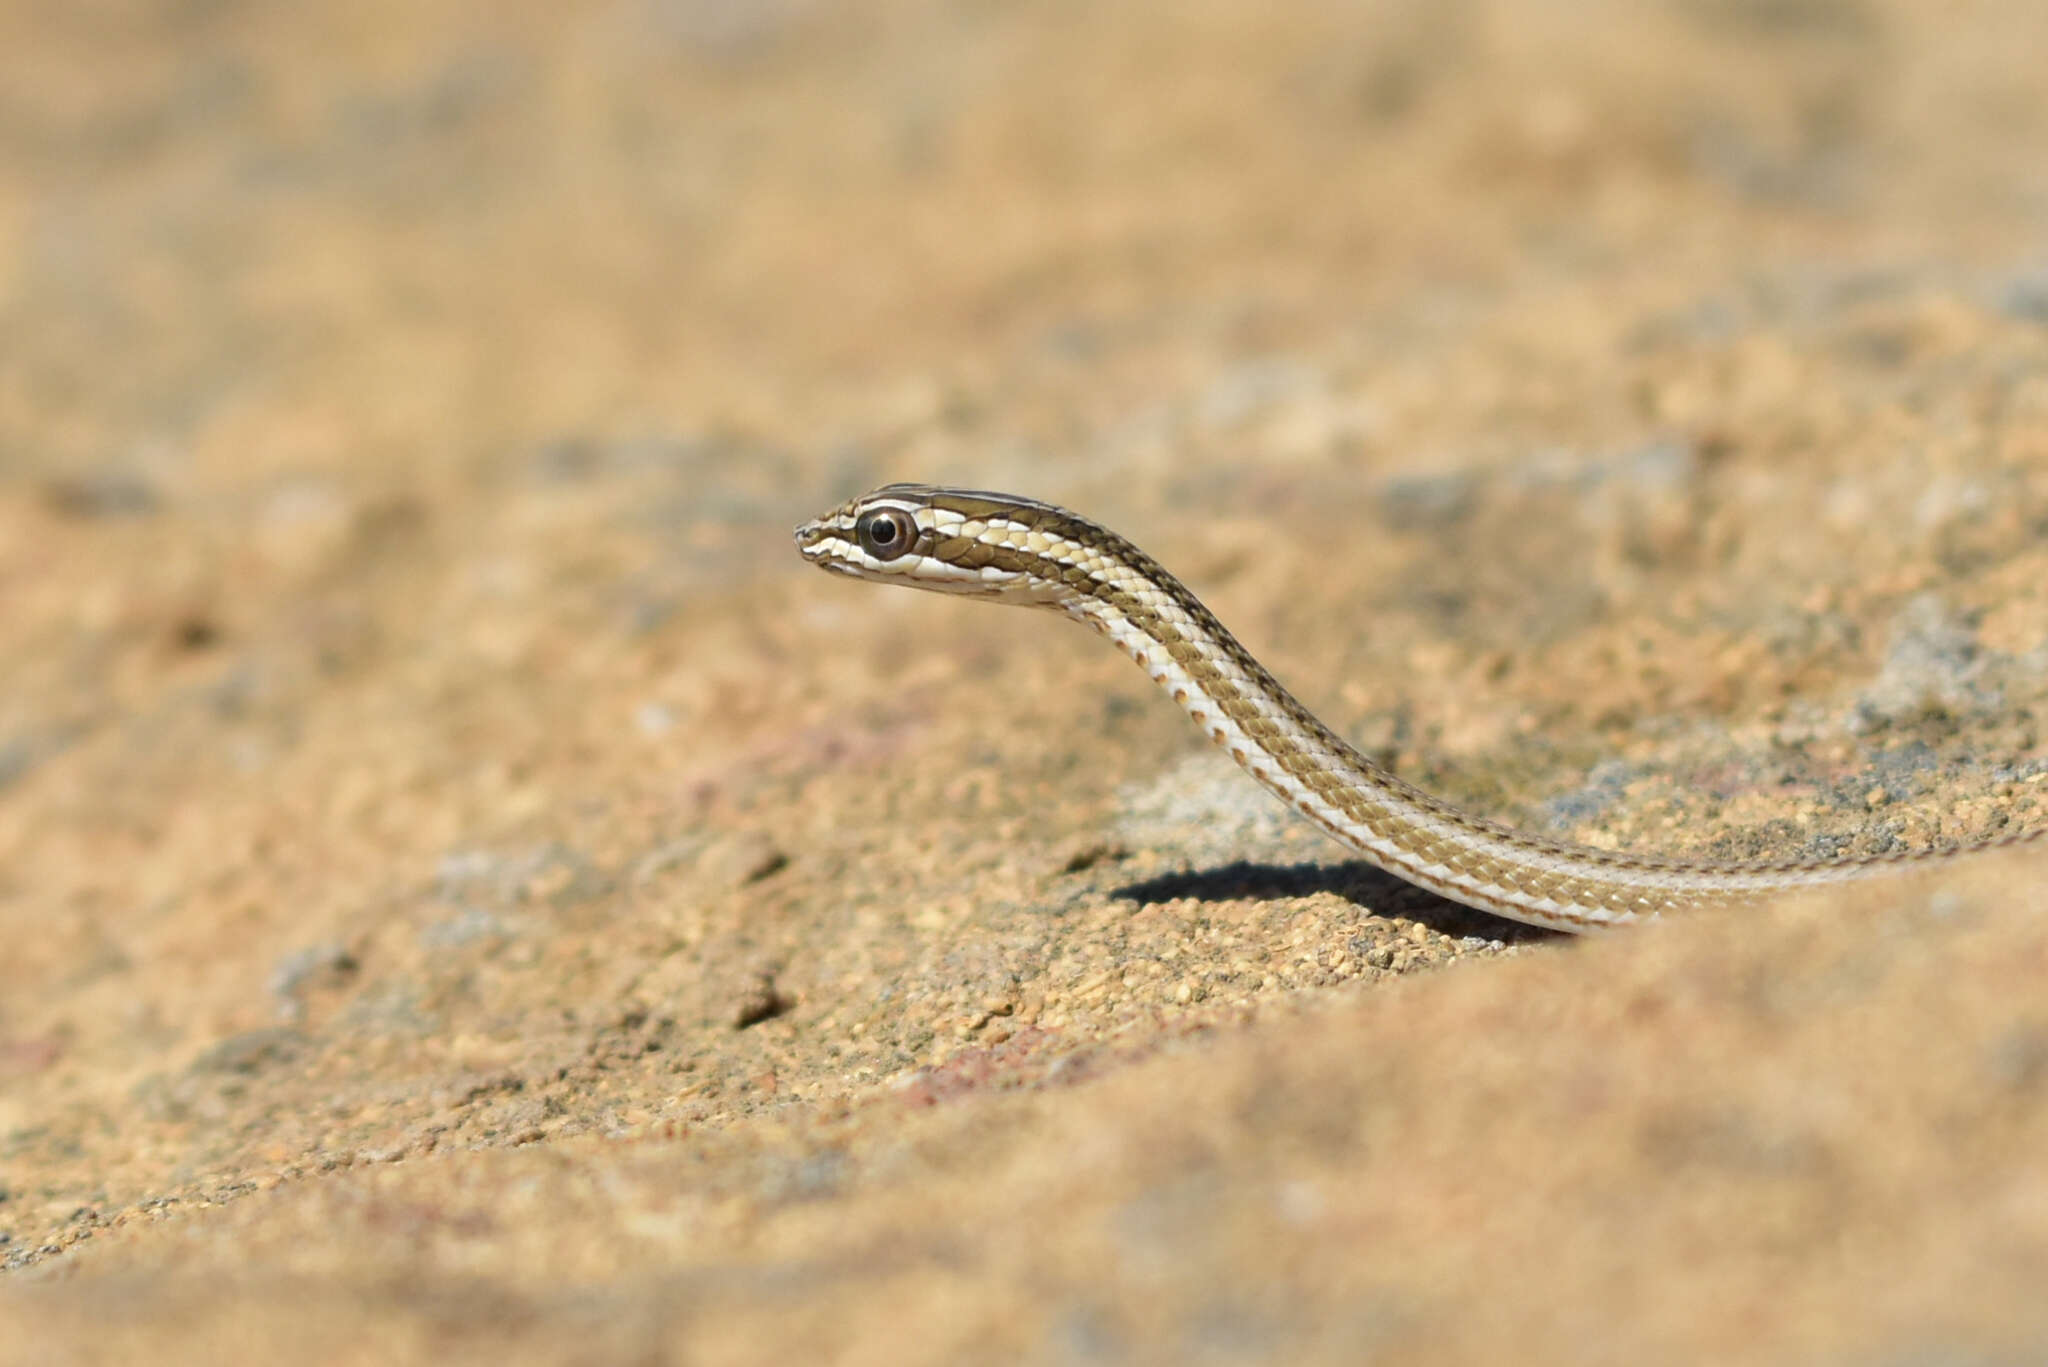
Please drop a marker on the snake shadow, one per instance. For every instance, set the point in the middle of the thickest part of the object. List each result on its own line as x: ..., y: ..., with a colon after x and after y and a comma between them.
x: 1373, y: 891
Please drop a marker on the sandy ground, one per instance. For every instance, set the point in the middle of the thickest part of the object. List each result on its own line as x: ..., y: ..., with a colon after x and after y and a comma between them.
x: 469, y: 893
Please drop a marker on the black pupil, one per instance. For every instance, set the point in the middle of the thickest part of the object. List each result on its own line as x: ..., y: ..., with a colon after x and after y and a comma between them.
x: 882, y: 531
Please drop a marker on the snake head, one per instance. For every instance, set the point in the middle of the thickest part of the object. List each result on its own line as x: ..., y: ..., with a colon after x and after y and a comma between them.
x: 949, y: 541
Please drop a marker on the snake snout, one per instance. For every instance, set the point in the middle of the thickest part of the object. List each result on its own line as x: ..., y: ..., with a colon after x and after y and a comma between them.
x: 810, y: 538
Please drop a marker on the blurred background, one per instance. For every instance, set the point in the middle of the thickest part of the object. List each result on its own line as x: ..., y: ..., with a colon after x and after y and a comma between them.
x: 417, y: 735
x: 237, y: 237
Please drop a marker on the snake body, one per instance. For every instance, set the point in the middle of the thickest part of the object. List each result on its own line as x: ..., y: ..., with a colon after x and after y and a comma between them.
x: 1021, y: 551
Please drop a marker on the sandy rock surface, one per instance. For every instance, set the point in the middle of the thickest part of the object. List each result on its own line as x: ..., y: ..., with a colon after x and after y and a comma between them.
x: 468, y: 892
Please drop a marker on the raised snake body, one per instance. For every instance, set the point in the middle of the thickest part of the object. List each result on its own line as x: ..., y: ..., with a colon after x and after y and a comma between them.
x: 1017, y: 550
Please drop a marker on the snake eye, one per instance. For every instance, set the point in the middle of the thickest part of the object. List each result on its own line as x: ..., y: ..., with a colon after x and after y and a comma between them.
x: 886, y: 534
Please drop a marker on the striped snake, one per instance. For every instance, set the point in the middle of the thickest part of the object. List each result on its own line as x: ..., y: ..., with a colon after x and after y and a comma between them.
x: 1017, y: 550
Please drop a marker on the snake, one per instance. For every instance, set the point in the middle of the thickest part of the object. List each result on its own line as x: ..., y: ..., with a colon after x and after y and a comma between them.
x: 1010, y: 549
